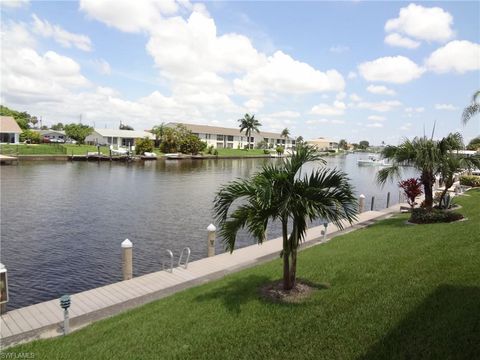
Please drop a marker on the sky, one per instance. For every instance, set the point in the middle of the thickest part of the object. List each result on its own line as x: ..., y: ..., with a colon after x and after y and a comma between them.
x: 355, y: 70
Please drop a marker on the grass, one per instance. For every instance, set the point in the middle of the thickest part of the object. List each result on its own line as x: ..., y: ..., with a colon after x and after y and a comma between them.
x: 33, y: 149
x: 240, y: 152
x: 394, y: 291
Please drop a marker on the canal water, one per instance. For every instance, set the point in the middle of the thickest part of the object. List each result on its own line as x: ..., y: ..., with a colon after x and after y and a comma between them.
x: 62, y: 222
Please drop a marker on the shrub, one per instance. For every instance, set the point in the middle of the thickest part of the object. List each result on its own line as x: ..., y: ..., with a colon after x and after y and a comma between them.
x: 411, y: 188
x: 266, y: 152
x: 470, y: 180
x: 280, y: 150
x: 210, y: 150
x: 30, y: 136
x: 425, y: 216
x: 143, y: 145
x: 215, y: 152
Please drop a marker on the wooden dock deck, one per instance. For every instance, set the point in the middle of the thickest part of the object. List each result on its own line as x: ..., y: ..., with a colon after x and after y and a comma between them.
x: 45, y: 319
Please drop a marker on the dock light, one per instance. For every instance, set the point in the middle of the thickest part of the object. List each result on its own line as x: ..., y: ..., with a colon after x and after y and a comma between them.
x: 65, y: 303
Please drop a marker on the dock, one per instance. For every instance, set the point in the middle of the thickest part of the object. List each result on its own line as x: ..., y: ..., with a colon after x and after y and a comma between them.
x: 45, y: 319
x: 8, y: 160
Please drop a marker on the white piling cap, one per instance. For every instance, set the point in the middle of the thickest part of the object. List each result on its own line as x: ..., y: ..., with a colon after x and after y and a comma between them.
x: 362, y: 196
x: 127, y: 244
x: 211, y: 227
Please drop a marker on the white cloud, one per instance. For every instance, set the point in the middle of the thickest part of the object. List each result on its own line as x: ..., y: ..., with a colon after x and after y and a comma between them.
x: 127, y: 15
x: 449, y: 107
x: 376, y: 118
x: 429, y: 24
x: 253, y: 105
x: 338, y: 108
x: 375, y: 125
x: 381, y: 90
x: 414, y: 110
x: 339, y: 49
x: 352, y: 75
x: 102, y: 66
x: 401, y: 41
x: 317, y: 121
x: 394, y: 69
x: 61, y: 36
x: 458, y: 55
x: 286, y: 114
x: 341, y: 95
x: 383, y: 106
x: 15, y: 3
x: 283, y: 74
x: 355, y: 97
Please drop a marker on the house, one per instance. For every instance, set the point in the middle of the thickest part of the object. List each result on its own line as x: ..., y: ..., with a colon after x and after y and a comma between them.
x: 57, y: 136
x: 324, y: 144
x: 116, y: 138
x: 232, y: 138
x: 9, y: 130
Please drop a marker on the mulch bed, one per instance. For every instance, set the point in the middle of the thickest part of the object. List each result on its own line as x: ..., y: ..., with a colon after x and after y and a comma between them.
x: 274, y: 291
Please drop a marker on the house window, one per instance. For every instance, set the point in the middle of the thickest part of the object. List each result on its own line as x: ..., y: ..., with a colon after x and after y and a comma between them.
x: 219, y: 145
x: 230, y: 138
x: 219, y: 137
x: 230, y: 145
x: 127, y: 142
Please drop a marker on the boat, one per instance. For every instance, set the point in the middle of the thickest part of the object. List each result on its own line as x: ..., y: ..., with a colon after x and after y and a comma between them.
x: 177, y: 156
x: 149, y: 156
x: 372, y: 161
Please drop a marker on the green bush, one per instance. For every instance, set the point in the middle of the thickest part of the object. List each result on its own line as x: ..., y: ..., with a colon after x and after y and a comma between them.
x: 280, y: 150
x: 143, y: 145
x: 425, y: 216
x: 30, y: 136
x: 266, y: 152
x: 470, y: 180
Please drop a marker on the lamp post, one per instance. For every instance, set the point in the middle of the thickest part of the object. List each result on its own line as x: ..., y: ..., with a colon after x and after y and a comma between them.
x: 65, y: 304
x: 325, y: 224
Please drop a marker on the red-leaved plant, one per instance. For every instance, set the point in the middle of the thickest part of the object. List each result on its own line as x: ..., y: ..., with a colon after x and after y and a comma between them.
x: 411, y: 188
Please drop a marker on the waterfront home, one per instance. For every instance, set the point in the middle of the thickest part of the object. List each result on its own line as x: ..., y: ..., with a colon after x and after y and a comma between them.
x: 56, y: 136
x: 232, y: 138
x: 116, y: 138
x: 9, y: 130
x: 324, y: 144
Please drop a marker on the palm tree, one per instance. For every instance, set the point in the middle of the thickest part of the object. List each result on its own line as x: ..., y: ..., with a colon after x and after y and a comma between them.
x: 249, y: 124
x: 281, y: 192
x: 472, y: 109
x: 158, y: 131
x: 285, y: 134
x: 424, y: 154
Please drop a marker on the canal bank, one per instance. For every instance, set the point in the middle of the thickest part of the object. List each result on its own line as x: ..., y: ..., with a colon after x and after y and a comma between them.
x: 45, y: 319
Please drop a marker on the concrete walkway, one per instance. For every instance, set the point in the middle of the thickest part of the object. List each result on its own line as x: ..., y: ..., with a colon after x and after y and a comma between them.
x: 46, y: 319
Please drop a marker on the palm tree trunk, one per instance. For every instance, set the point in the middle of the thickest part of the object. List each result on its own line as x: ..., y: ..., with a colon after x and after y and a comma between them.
x: 293, y: 269
x: 427, y: 181
x: 248, y: 139
x: 286, y: 253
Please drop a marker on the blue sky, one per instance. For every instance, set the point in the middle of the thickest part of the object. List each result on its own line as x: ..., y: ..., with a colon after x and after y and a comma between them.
x: 358, y: 70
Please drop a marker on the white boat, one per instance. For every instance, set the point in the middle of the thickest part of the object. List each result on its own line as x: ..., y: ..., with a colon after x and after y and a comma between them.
x: 149, y: 156
x: 176, y: 156
x: 372, y: 161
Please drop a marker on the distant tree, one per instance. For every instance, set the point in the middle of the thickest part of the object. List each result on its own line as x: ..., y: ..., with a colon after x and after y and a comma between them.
x: 364, y: 144
x: 170, y: 140
x: 57, y: 127
x: 158, y: 131
x: 125, y: 127
x: 249, y: 124
x: 143, y: 145
x: 78, y: 132
x: 285, y: 134
x: 34, y: 121
x: 262, y: 145
x: 474, y: 144
x: 30, y: 136
x: 22, y: 118
x: 355, y: 146
x: 191, y: 144
x: 299, y: 140
x: 342, y: 144
x: 44, y: 127
x: 280, y: 150
x: 472, y: 109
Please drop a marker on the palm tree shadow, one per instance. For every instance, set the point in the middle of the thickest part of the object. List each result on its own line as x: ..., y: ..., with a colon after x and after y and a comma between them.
x: 236, y: 292
x: 446, y: 325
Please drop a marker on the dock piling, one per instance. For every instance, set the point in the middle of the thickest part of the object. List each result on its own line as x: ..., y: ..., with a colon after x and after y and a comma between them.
x: 127, y: 261
x: 361, y: 203
x: 211, y: 239
x: 372, y: 204
x: 388, y: 199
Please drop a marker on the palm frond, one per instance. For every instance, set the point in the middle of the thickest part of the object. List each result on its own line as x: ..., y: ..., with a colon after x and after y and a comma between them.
x: 390, y: 172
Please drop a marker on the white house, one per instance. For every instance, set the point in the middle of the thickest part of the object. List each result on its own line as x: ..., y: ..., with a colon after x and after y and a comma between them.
x: 116, y: 138
x: 324, y: 144
x: 9, y: 130
x: 231, y: 138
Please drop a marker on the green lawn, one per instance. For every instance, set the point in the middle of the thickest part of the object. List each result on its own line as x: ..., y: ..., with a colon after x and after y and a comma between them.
x: 390, y: 291
x: 33, y: 149
x: 240, y: 152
